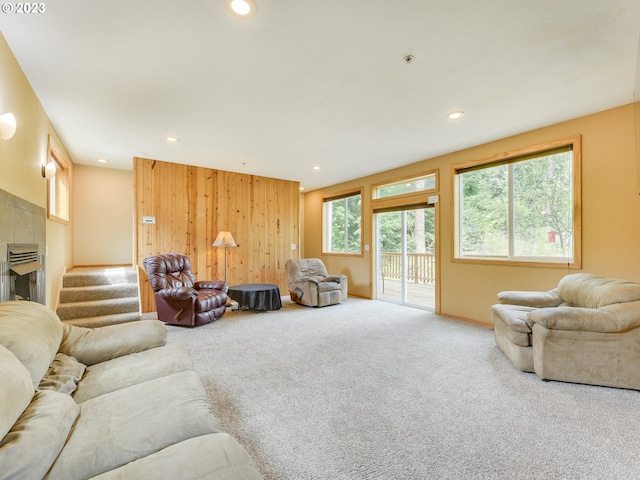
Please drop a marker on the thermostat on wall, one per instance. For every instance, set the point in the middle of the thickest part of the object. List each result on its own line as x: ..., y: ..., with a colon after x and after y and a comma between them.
x: 148, y: 219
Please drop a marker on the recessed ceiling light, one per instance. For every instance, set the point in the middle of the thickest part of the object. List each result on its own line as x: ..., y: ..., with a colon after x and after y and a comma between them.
x: 455, y: 115
x: 301, y: 188
x: 242, y: 8
x: 102, y: 160
x: 173, y: 139
x: 316, y: 167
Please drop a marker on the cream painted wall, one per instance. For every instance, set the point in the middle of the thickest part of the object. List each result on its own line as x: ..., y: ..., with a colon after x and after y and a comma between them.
x: 610, y: 217
x: 611, y: 207
x: 22, y: 156
x: 103, y: 212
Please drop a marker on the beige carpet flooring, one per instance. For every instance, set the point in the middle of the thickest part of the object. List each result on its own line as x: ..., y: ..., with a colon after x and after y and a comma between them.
x: 373, y: 390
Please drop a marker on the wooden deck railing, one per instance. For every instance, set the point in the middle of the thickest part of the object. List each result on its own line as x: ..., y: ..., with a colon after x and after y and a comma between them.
x: 421, y: 267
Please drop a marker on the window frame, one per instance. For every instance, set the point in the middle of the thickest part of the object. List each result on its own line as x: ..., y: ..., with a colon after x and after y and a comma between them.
x: 326, y: 241
x: 375, y: 187
x: 510, y: 157
x: 59, y: 186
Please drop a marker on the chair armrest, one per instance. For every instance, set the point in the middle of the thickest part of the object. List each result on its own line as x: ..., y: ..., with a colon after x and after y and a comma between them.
x: 615, y: 318
x: 531, y: 299
x: 212, y: 285
x: 303, y: 280
x: 95, y: 345
x: 334, y: 278
x: 178, y: 293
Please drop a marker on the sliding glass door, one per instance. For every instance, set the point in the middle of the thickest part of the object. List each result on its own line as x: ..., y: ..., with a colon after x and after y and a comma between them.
x: 405, y: 257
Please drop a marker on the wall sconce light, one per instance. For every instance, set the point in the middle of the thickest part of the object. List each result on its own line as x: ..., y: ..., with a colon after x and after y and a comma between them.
x: 49, y: 170
x: 7, y: 126
x: 224, y: 239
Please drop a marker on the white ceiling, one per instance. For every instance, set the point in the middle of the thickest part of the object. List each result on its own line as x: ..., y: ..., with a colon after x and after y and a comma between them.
x: 318, y: 83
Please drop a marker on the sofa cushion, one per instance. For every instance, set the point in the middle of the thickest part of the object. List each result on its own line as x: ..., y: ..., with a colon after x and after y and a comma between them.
x: 122, y: 426
x: 95, y: 345
x: 590, y: 291
x: 16, y: 390
x: 511, y: 321
x: 33, y: 333
x: 63, y: 375
x: 30, y: 448
x: 515, y: 317
x: 122, y: 372
x: 216, y: 456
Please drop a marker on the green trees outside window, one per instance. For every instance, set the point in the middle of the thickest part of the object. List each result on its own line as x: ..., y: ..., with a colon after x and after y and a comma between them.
x: 342, y: 225
x: 521, y: 209
x: 419, y: 231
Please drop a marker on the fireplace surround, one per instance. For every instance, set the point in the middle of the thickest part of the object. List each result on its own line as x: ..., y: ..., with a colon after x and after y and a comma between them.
x: 26, y: 272
x: 22, y: 249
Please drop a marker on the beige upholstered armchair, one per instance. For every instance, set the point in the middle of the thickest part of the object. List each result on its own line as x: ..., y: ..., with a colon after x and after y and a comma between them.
x: 586, y: 330
x: 311, y: 285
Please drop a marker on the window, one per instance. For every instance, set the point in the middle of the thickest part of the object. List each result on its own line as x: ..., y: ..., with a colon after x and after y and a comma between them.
x: 406, y: 186
x: 520, y: 207
x: 342, y: 224
x: 58, y: 186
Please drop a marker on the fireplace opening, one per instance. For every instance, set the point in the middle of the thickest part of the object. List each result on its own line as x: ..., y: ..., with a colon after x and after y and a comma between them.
x: 22, y: 286
x: 26, y: 281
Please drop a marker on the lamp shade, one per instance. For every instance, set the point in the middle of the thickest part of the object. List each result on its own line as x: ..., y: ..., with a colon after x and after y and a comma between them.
x: 224, y: 239
x: 49, y: 170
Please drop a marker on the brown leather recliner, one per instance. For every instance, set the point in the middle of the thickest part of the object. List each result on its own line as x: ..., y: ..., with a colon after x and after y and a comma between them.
x: 180, y: 299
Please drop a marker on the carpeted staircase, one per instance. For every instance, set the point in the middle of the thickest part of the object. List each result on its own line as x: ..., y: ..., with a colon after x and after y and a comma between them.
x: 99, y: 296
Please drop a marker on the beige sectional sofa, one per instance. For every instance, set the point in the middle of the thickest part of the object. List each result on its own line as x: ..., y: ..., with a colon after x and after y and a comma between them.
x: 115, y: 402
x: 587, y: 330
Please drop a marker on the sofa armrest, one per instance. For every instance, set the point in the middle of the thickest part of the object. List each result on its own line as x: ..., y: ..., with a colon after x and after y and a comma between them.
x: 177, y: 293
x: 531, y: 299
x: 95, y: 345
x: 616, y: 318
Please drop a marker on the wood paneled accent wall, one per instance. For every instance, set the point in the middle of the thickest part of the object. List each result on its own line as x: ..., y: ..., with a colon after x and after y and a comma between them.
x: 192, y: 204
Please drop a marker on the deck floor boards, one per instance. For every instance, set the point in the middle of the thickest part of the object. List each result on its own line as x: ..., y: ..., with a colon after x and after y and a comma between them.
x: 418, y: 294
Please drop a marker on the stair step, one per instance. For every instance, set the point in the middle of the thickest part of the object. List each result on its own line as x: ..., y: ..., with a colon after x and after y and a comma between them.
x: 82, y: 277
x: 68, y: 311
x: 99, y: 296
x: 97, y: 292
x: 104, y: 320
